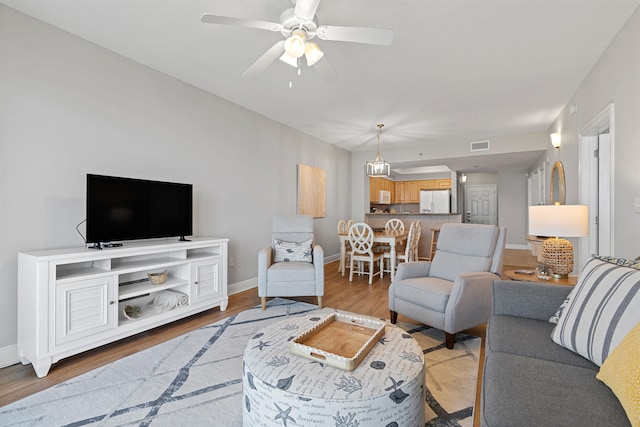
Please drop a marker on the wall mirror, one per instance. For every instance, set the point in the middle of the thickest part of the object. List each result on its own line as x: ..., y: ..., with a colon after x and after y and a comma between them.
x: 557, y: 187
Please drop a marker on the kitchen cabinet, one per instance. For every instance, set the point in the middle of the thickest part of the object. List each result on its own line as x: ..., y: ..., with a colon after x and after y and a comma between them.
x: 73, y: 300
x: 436, y: 184
x: 377, y: 184
x: 407, y: 192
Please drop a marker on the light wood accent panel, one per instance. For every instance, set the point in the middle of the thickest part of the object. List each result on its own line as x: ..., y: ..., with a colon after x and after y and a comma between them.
x: 312, y: 190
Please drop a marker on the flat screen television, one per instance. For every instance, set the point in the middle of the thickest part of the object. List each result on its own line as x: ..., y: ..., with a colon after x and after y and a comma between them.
x: 130, y: 209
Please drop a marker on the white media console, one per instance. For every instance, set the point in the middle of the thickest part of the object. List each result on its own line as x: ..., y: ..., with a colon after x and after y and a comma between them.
x: 73, y: 300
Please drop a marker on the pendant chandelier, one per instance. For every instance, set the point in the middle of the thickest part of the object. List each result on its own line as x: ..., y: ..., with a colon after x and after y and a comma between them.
x: 378, y: 167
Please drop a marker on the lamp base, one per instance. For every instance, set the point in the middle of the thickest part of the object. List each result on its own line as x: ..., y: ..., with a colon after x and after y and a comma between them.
x: 558, y: 254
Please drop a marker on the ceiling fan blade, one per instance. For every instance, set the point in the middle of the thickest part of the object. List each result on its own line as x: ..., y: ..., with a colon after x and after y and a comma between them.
x: 306, y: 9
x: 240, y: 22
x: 379, y: 36
x: 326, y: 70
x: 265, y: 60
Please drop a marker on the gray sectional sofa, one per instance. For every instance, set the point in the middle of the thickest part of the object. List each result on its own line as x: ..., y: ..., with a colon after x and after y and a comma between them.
x: 529, y: 380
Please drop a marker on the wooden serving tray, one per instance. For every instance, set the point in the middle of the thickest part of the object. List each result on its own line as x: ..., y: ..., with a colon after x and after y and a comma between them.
x: 340, y: 340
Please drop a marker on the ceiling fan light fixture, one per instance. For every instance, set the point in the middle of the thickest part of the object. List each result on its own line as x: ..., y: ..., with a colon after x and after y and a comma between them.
x: 295, y: 44
x: 287, y: 59
x: 313, y: 53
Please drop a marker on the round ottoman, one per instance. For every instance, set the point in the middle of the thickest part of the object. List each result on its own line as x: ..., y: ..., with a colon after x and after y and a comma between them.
x: 282, y: 389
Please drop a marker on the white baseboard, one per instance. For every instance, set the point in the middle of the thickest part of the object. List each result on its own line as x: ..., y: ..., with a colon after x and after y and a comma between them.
x: 9, y: 355
x: 238, y: 287
x: 512, y: 246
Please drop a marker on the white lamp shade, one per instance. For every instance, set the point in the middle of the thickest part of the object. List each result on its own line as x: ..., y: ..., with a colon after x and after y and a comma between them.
x: 294, y: 45
x: 556, y: 139
x: 313, y: 53
x: 559, y: 220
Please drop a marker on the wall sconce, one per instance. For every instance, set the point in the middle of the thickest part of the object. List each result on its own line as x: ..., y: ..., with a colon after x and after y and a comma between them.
x: 463, y: 178
x: 556, y: 140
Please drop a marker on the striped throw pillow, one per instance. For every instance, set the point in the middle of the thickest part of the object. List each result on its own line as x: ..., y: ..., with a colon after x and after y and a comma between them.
x: 603, y: 308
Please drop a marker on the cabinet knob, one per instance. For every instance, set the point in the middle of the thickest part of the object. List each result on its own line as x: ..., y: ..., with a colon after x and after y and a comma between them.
x: 195, y: 283
x: 112, y: 302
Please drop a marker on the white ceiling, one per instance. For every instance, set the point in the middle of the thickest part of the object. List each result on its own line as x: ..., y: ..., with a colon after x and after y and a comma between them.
x: 457, y: 70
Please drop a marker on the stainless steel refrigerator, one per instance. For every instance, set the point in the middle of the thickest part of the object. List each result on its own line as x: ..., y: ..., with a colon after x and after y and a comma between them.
x: 435, y: 201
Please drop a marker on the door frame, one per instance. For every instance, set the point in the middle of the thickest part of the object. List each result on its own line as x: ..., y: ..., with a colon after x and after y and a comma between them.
x: 597, y: 201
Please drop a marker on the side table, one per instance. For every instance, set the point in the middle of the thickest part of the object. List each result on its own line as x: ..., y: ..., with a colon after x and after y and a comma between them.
x: 280, y: 388
x: 514, y: 275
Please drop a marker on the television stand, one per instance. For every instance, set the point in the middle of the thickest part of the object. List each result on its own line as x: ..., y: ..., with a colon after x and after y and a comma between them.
x: 73, y: 300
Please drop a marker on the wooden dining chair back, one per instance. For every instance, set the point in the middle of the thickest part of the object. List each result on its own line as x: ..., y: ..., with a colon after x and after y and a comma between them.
x: 416, y: 240
x: 394, y: 224
x: 361, y: 240
x: 407, y: 254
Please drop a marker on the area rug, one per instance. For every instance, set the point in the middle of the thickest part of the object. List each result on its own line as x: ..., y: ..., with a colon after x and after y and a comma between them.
x: 196, y: 380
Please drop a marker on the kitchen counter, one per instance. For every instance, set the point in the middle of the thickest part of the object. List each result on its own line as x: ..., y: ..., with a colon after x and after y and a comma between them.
x: 427, y: 221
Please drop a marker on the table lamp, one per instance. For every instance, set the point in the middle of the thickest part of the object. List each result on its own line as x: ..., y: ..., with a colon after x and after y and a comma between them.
x: 554, y: 221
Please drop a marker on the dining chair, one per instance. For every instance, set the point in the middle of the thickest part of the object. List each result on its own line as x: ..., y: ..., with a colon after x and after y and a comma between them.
x: 393, y: 224
x: 361, y: 239
x: 343, y: 229
x: 418, y: 233
x: 405, y: 255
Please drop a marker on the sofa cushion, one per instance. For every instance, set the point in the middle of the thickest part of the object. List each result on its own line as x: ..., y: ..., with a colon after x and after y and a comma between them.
x: 523, y: 391
x: 531, y: 338
x: 602, y: 310
x: 433, y: 293
x: 292, y: 251
x: 291, y: 272
x: 621, y: 372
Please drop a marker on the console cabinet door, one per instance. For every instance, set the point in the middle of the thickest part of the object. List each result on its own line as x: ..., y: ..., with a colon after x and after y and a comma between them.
x: 84, y: 308
x: 207, y: 279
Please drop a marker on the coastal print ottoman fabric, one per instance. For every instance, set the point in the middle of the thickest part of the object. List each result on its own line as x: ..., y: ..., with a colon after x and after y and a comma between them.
x: 282, y: 389
x: 604, y: 307
x: 292, y: 251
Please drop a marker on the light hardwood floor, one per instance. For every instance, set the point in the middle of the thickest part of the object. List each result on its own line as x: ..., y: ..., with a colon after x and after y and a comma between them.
x: 18, y: 381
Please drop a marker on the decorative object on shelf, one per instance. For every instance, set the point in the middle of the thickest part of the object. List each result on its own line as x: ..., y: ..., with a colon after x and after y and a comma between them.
x: 558, y: 220
x: 378, y: 167
x: 556, y: 140
x: 132, y: 312
x: 557, y: 188
x: 544, y: 272
x: 158, y: 278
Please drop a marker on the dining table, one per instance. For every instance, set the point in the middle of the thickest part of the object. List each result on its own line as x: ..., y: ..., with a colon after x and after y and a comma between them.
x: 392, y: 238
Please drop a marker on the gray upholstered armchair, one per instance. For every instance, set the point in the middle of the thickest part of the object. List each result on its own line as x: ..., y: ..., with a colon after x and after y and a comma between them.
x: 452, y: 292
x: 293, y: 265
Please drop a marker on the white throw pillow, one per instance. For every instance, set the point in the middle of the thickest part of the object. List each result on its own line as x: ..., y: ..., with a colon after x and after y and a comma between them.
x: 292, y: 251
x: 603, y: 308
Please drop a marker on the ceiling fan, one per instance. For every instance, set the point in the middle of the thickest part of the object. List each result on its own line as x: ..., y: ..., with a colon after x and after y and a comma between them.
x: 299, y: 25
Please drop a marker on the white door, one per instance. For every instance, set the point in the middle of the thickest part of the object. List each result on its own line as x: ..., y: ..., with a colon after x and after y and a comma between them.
x: 207, y: 279
x: 480, y: 202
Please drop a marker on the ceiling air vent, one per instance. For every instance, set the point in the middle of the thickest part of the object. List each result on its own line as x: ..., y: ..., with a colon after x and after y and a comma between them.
x: 479, y: 145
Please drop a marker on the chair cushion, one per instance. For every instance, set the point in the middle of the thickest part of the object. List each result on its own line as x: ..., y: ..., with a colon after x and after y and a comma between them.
x: 291, y: 272
x: 430, y: 292
x: 292, y: 251
x: 602, y: 310
x: 463, y: 248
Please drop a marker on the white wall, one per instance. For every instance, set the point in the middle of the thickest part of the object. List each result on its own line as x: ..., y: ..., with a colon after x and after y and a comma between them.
x: 69, y: 107
x: 615, y: 78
